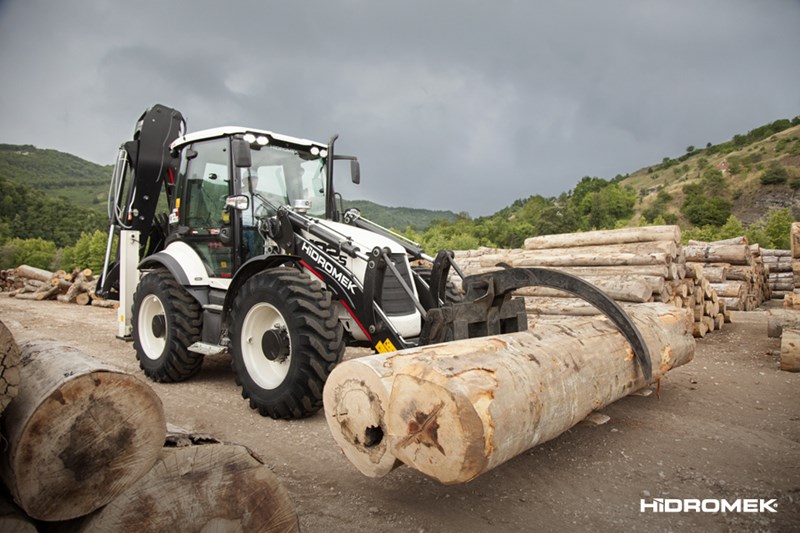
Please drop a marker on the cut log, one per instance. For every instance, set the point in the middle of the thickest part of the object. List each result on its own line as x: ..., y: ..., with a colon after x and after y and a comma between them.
x: 794, y: 233
x: 460, y: 409
x: 79, y: 432
x: 111, y: 304
x: 651, y: 253
x: 48, y: 294
x: 34, y: 273
x: 732, y: 289
x: 601, y: 237
x: 653, y: 271
x: 207, y: 487
x: 355, y: 405
x: 623, y: 290
x: 735, y: 254
x: 9, y: 367
x: 777, y: 319
x: 733, y: 240
x: 716, y: 273
x: 790, y: 350
x: 699, y: 330
x: 454, y: 416
x: 83, y: 299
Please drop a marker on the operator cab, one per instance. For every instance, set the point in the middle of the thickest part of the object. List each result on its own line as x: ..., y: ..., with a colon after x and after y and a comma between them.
x: 220, y: 193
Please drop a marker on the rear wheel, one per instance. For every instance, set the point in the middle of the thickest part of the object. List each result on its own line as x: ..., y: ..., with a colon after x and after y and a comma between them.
x: 166, y: 321
x: 285, y: 340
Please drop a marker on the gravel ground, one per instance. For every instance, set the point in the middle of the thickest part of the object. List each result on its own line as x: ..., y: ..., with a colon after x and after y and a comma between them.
x: 727, y: 425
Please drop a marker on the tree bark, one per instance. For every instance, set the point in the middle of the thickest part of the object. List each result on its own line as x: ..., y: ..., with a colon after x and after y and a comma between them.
x: 735, y: 254
x: 34, y: 273
x: 206, y: 487
x: 619, y: 236
x: 794, y: 233
x: 623, y: 290
x: 79, y: 432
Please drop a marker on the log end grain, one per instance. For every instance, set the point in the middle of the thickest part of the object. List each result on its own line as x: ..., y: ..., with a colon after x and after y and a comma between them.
x: 9, y: 367
x: 355, y: 400
x: 77, y: 437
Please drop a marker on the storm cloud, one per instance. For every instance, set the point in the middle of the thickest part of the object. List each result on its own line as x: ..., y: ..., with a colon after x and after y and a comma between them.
x: 459, y: 105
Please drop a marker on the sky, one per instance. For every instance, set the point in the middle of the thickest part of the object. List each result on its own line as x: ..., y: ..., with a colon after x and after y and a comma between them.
x: 459, y: 105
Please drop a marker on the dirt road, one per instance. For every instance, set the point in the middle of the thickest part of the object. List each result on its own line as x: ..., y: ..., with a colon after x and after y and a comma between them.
x: 726, y: 426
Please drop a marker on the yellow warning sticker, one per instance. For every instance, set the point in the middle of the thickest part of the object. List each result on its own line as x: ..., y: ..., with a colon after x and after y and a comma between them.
x: 385, y: 346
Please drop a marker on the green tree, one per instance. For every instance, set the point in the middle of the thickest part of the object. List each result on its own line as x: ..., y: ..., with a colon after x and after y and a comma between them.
x: 38, y: 253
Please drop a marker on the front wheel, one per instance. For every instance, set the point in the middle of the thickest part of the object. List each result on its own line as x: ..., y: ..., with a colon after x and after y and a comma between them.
x: 166, y: 321
x: 285, y: 340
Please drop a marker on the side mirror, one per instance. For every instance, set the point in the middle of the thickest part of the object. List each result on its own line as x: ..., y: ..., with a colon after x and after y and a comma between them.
x: 240, y: 202
x: 355, y: 171
x: 241, y: 154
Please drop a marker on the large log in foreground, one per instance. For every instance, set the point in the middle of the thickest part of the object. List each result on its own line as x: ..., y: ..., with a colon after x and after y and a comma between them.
x: 9, y: 367
x: 206, y: 487
x: 458, y: 410
x: 79, y: 432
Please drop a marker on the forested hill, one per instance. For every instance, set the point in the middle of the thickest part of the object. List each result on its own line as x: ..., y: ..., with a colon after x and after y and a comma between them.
x: 399, y: 217
x: 750, y: 184
x: 747, y: 185
x: 57, y: 174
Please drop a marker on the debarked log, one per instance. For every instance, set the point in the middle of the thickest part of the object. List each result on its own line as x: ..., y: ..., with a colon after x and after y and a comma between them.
x: 79, y: 432
x: 457, y: 410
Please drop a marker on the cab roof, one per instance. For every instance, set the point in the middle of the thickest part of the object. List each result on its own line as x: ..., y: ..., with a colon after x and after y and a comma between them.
x: 226, y: 131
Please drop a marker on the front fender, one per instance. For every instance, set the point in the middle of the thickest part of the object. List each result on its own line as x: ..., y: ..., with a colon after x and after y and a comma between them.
x: 183, y: 263
x: 250, y: 268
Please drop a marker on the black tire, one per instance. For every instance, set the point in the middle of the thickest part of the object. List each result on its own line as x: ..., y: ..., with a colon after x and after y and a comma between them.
x: 285, y: 341
x: 166, y: 321
x: 452, y: 294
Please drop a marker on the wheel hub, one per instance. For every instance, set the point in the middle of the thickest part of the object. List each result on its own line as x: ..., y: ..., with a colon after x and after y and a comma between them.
x: 158, y: 326
x: 275, y: 344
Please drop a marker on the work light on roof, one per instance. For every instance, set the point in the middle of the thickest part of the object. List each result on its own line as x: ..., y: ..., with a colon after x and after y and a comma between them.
x: 262, y: 140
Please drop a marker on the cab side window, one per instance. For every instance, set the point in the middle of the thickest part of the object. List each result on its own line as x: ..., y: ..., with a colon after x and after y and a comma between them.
x: 207, y: 186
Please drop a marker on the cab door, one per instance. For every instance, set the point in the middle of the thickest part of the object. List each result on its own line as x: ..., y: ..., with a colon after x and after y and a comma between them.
x: 207, y: 221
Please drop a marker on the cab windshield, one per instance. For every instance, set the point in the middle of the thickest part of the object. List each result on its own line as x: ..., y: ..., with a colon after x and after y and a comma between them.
x: 283, y: 175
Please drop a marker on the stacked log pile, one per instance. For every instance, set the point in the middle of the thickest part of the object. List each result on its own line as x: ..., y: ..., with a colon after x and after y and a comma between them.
x: 785, y: 323
x: 454, y: 414
x: 734, y: 268
x: 31, y: 283
x: 632, y: 265
x: 778, y: 265
x: 792, y: 301
x: 85, y: 442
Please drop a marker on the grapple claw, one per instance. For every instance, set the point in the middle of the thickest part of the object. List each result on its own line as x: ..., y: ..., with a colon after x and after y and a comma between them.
x: 489, y: 308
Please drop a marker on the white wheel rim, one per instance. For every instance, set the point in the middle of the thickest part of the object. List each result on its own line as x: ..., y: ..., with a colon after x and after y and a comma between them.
x: 152, y: 345
x: 266, y: 374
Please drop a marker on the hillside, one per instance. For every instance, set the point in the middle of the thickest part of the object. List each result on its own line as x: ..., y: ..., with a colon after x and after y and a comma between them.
x: 41, y: 177
x: 399, y: 217
x: 58, y: 174
x: 755, y: 172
